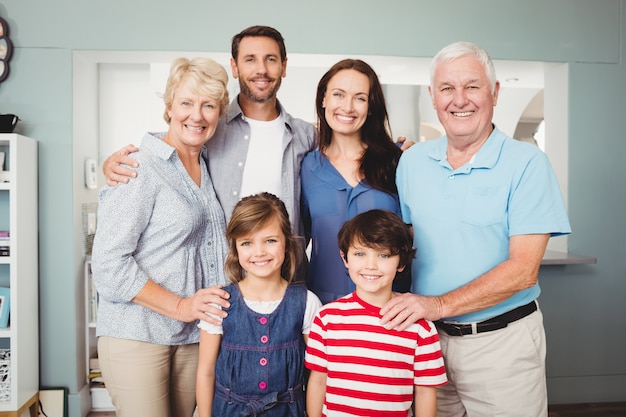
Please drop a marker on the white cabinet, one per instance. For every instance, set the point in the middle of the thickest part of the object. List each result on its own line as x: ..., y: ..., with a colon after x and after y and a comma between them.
x: 19, y: 273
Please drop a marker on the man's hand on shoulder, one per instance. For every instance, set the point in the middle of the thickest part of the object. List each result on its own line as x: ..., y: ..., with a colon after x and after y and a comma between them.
x: 406, y: 308
x: 115, y: 167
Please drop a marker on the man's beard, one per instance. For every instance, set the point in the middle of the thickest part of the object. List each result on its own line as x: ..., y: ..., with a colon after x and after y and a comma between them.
x: 267, y: 95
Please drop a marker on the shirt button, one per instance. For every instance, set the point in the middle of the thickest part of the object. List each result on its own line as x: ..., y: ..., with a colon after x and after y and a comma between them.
x: 262, y: 385
x: 264, y: 339
x: 212, y: 266
x: 239, y: 164
x: 263, y: 320
x: 235, y: 193
x: 210, y: 243
x: 263, y: 361
x: 451, y: 176
x: 246, y: 137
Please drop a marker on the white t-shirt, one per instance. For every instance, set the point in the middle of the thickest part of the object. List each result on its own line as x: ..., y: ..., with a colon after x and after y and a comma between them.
x: 267, y: 307
x: 262, y: 171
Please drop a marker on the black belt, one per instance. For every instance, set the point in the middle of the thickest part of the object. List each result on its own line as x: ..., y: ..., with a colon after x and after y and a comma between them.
x: 495, y: 323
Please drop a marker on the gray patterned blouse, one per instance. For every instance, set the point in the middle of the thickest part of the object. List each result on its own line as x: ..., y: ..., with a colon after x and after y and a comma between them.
x: 161, y: 226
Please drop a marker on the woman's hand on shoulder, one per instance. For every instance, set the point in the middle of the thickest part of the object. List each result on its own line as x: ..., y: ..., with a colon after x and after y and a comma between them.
x: 202, y: 302
x: 404, y: 143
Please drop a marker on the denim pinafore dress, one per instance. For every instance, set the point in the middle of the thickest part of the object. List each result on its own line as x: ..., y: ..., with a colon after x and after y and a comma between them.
x: 260, y: 366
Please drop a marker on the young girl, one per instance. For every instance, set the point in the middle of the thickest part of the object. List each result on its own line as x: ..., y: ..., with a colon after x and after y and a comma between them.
x: 253, y: 364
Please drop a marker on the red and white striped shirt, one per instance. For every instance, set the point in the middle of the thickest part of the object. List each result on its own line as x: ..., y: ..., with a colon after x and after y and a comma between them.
x: 371, y: 370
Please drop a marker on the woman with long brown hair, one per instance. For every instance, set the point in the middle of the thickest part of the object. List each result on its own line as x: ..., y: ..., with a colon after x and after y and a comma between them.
x: 353, y: 170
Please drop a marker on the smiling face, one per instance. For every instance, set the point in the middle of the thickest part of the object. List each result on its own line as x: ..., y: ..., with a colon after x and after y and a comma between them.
x: 194, y: 117
x: 346, y: 102
x: 259, y: 68
x: 461, y: 95
x: 372, y: 270
x: 262, y: 252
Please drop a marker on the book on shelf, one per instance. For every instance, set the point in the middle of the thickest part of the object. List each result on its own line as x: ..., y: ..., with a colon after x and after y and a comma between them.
x: 5, y: 244
x: 95, y: 377
x: 93, y: 363
x: 95, y: 374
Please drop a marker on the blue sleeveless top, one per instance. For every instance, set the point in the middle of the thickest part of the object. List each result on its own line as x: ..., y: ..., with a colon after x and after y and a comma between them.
x: 260, y: 366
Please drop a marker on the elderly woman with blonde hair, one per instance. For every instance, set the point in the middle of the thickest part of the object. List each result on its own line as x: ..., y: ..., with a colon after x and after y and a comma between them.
x: 159, y: 252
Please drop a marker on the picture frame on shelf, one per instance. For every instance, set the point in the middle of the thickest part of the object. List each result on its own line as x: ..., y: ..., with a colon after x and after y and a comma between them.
x: 5, y: 306
x: 53, y: 401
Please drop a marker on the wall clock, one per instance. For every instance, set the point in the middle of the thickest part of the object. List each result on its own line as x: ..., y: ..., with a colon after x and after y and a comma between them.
x: 6, y: 48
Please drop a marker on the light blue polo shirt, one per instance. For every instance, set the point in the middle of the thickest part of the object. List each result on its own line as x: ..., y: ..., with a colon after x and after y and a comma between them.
x: 462, y: 219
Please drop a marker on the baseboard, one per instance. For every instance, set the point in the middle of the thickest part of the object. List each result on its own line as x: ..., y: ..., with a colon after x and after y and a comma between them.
x: 80, y: 403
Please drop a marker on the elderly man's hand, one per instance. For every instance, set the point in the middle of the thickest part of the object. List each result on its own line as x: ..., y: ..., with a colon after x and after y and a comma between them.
x: 405, y: 309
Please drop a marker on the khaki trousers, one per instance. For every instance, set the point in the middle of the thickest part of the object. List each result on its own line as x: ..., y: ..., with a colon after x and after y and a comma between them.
x: 146, y: 379
x: 499, y: 373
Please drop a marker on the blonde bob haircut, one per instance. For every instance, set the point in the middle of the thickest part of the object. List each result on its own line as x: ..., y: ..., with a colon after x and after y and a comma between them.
x: 251, y: 214
x: 203, y: 76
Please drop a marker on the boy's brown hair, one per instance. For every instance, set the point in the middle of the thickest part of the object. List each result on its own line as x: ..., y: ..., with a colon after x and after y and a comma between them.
x: 380, y: 229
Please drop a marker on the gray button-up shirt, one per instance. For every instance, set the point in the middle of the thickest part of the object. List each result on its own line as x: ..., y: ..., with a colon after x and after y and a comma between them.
x: 227, y: 150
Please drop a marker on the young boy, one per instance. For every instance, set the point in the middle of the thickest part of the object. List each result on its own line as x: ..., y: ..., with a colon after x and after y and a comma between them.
x: 357, y: 366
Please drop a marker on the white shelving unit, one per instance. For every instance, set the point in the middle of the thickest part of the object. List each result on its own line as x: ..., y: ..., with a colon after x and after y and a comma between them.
x: 100, y: 398
x: 19, y: 272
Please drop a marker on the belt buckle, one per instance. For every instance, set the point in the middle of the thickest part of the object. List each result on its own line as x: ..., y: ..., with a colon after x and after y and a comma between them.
x: 455, y: 329
x: 487, y: 326
x: 458, y: 329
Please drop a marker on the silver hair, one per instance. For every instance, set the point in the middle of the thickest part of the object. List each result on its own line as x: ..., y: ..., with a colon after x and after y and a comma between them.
x: 459, y: 49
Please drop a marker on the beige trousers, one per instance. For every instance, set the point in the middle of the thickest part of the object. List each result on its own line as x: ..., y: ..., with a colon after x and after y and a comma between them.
x: 146, y: 379
x: 499, y: 373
